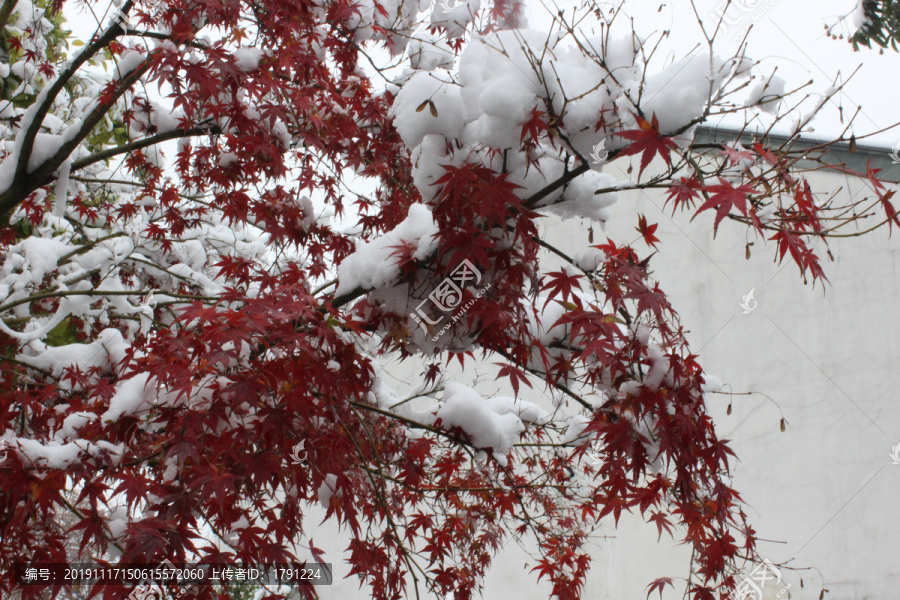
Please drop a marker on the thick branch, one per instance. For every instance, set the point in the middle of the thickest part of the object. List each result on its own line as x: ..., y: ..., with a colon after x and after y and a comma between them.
x: 142, y: 143
x: 46, y: 98
x: 24, y: 183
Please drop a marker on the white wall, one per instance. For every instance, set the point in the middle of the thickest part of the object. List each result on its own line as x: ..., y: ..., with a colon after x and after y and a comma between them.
x: 825, y: 490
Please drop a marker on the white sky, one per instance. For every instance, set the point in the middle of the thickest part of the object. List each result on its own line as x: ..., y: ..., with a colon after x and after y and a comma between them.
x: 790, y: 35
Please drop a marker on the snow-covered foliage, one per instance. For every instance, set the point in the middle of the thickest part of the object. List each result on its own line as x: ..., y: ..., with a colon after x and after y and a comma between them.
x: 216, y: 222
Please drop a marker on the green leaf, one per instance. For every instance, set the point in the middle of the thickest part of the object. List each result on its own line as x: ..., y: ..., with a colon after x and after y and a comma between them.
x: 63, y: 334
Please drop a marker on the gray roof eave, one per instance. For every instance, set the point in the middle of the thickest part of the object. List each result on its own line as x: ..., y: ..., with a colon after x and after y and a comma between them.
x: 836, y: 155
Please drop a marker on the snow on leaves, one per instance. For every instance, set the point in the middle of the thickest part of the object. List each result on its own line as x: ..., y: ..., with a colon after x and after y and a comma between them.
x: 286, y: 213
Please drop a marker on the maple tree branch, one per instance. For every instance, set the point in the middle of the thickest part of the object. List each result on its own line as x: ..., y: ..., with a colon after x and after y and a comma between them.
x: 101, y: 293
x: 24, y: 364
x: 557, y: 385
x: 158, y: 138
x: 529, y: 202
x: 25, y: 182
x: 157, y: 35
x: 459, y: 488
x: 412, y: 423
x: 64, y: 259
x: 47, y: 97
x: 107, y: 533
x: 380, y: 492
x: 545, y: 191
x: 5, y: 12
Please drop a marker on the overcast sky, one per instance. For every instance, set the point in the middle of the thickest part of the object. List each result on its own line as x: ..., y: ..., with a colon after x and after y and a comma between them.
x: 789, y: 34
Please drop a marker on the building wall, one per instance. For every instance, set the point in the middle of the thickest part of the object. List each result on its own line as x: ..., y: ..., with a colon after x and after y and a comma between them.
x: 826, y: 360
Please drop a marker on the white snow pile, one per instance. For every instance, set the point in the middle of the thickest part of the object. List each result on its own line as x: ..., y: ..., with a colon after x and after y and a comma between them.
x: 128, y: 62
x: 454, y: 16
x: 494, y: 423
x: 427, y: 53
x: 389, y: 21
x: 372, y: 264
x: 247, y: 58
x: 491, y: 423
x: 130, y: 395
x: 104, y: 353
x: 766, y: 94
x: 506, y: 79
x: 59, y: 455
x: 859, y: 19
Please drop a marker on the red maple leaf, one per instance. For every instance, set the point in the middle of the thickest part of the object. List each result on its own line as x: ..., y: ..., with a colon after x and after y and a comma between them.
x: 647, y: 140
x: 800, y: 252
x: 884, y: 197
x: 725, y: 197
x: 535, y: 124
x: 734, y: 155
x: 889, y: 209
x: 683, y: 192
x: 561, y: 282
x: 515, y: 375
x: 659, y: 585
x: 647, y: 231
x: 766, y: 154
